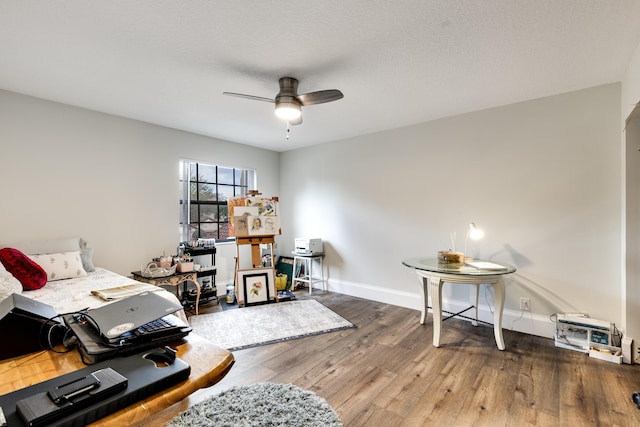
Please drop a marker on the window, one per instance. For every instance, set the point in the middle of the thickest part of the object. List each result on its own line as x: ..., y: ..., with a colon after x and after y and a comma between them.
x: 205, y: 190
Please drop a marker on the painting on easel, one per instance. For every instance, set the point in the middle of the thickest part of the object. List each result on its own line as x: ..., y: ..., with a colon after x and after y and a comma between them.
x: 253, y: 216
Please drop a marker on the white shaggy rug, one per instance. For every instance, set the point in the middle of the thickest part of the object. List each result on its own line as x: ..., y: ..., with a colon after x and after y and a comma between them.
x: 261, y: 404
x: 266, y: 324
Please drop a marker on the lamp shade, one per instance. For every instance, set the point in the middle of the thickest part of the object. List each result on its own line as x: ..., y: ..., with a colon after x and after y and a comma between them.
x: 288, y: 110
x: 474, y: 232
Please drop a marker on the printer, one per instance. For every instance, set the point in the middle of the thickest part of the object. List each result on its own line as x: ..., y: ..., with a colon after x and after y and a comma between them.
x: 308, y: 246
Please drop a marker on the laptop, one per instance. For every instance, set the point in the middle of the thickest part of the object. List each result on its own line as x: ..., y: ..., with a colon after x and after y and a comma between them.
x: 126, y: 316
x: 93, y: 349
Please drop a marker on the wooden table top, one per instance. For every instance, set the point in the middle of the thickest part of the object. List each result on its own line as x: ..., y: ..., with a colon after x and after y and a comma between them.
x: 209, y: 364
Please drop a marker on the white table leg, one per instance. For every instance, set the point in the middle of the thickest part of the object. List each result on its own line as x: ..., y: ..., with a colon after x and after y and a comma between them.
x: 310, y: 265
x: 498, y: 295
x: 474, y: 302
x: 424, y: 300
x: 325, y: 285
x: 435, y: 287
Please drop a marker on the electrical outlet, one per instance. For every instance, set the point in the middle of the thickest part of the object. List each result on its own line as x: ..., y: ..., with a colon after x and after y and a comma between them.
x: 525, y: 304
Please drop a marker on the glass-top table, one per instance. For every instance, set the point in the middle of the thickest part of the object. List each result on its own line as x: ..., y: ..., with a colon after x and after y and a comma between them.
x: 473, y: 267
x: 433, y: 275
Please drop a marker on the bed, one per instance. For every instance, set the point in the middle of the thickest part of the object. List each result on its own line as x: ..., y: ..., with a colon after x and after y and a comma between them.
x: 66, y: 292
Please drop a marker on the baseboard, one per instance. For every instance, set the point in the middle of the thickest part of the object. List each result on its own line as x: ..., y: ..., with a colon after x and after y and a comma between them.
x: 525, y: 322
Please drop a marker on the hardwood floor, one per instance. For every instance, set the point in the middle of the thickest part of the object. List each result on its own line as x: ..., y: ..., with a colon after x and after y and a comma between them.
x: 387, y: 373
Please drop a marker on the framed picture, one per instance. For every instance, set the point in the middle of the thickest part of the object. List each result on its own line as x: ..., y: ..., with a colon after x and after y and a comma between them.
x: 257, y: 285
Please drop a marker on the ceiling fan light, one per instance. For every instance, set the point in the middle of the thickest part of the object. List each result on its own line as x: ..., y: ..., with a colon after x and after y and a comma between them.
x: 288, y: 111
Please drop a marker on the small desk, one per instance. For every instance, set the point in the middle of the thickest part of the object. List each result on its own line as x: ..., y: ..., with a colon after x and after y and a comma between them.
x: 209, y: 364
x: 433, y: 275
x: 306, y: 260
x: 173, y: 280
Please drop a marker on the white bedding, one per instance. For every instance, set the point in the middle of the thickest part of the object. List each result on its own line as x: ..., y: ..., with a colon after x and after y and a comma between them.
x: 71, y: 295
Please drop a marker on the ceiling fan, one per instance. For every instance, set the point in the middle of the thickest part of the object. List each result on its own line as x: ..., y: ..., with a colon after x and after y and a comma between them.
x: 289, y: 104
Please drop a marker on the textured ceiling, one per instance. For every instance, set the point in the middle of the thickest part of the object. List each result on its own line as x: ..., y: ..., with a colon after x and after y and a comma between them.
x: 397, y: 62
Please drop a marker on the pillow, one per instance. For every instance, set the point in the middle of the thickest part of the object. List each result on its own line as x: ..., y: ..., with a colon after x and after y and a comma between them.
x: 63, y: 265
x: 86, y: 255
x: 30, y: 274
x: 8, y: 284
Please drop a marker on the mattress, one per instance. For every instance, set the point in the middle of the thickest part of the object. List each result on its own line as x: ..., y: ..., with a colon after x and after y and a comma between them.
x: 71, y: 295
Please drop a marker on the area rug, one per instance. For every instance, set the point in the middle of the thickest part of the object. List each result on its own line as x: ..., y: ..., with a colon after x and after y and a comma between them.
x: 261, y: 404
x: 266, y: 324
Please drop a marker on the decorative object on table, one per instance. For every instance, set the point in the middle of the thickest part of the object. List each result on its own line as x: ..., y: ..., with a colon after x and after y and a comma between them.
x: 267, y: 324
x: 164, y: 261
x: 185, y: 263
x: 261, y: 404
x: 152, y: 270
x: 448, y: 257
x: 454, y: 257
x: 257, y: 285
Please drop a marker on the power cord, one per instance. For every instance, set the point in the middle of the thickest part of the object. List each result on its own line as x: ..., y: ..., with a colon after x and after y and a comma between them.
x: 68, y: 338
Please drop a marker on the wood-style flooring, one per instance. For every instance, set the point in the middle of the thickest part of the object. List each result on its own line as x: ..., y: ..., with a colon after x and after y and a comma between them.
x: 386, y: 372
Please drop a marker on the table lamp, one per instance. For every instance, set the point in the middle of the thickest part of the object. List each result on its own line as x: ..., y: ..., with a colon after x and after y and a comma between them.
x: 473, y: 233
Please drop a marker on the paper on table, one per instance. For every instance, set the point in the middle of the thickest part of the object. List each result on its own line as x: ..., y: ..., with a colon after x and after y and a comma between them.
x: 124, y: 291
x: 484, y: 265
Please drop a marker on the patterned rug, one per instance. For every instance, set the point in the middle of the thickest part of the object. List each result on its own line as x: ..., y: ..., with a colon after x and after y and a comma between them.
x: 266, y: 324
x: 262, y: 404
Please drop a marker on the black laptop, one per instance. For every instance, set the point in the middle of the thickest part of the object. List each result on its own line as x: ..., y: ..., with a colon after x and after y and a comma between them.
x: 93, y: 349
x: 94, y: 346
x: 129, y: 318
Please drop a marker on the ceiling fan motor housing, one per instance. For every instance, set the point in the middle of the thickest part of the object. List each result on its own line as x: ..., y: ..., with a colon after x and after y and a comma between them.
x: 289, y: 104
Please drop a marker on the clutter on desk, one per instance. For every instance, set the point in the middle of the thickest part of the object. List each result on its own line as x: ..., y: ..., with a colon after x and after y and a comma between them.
x: 448, y: 257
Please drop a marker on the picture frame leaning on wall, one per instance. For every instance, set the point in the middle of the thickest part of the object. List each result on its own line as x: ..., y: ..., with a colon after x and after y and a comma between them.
x: 257, y: 284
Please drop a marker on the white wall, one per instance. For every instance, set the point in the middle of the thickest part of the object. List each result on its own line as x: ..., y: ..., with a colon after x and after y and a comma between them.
x: 67, y: 171
x: 630, y: 304
x: 542, y: 178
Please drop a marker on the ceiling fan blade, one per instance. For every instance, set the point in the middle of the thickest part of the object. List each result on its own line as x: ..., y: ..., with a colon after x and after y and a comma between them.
x: 255, y: 98
x: 320, y: 97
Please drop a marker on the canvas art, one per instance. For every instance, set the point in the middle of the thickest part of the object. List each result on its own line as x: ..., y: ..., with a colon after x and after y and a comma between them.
x: 253, y: 216
x: 257, y: 285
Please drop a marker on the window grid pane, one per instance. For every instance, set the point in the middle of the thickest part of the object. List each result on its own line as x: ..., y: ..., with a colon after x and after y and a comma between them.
x: 209, y: 189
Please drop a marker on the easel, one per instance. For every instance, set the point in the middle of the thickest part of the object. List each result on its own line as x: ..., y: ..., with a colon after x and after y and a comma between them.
x: 255, y: 242
x: 256, y: 260
x: 256, y: 257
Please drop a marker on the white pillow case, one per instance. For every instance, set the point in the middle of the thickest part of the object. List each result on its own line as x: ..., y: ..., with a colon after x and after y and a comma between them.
x: 59, y: 266
x: 8, y: 283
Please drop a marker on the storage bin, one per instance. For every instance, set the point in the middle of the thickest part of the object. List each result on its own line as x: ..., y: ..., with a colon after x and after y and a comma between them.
x: 281, y: 282
x: 185, y: 267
